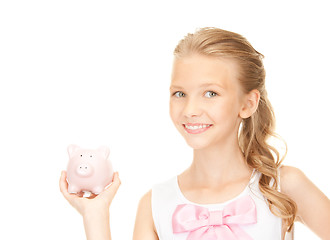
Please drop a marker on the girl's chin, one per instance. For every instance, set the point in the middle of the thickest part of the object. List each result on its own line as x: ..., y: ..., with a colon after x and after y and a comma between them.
x: 197, y: 145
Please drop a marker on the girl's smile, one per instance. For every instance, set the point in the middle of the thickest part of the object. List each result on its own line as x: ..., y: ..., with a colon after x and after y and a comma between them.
x: 195, y: 128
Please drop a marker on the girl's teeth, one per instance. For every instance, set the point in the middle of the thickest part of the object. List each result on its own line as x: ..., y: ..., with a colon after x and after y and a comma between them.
x: 197, y: 127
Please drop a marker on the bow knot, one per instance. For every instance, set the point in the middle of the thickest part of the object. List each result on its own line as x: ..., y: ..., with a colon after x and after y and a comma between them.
x: 215, y: 218
x: 204, y: 224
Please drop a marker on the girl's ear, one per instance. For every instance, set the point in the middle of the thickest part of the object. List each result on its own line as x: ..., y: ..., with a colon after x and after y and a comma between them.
x: 250, y: 103
x: 72, y: 149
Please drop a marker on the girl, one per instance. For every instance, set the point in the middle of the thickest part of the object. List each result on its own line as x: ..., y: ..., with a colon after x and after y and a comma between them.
x: 236, y: 187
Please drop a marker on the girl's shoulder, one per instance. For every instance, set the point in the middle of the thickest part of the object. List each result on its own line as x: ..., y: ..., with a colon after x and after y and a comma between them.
x: 295, y: 184
x: 313, y: 206
x: 291, y: 178
x: 144, y: 225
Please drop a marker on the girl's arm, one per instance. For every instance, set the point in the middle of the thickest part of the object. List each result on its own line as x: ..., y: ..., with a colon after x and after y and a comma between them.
x: 144, y: 225
x: 313, y: 207
x: 95, y: 210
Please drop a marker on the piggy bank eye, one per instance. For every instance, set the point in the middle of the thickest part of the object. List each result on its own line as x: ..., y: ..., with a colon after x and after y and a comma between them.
x: 91, y: 155
x: 80, y: 155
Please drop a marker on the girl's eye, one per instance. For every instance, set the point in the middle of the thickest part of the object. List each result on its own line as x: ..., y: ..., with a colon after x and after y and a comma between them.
x: 179, y: 94
x: 210, y: 94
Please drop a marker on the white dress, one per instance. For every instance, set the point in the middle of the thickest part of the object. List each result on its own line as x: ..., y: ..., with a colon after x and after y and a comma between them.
x: 166, y: 196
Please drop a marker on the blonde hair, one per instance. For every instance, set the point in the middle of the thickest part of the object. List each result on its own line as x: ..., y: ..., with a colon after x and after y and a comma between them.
x: 256, y: 129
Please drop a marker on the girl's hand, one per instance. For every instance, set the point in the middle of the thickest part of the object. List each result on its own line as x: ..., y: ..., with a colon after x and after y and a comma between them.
x: 94, y: 203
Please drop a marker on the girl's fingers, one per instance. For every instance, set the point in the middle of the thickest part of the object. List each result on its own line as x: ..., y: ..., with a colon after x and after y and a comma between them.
x: 116, y: 181
x: 111, y: 190
x: 64, y: 186
x: 108, y: 194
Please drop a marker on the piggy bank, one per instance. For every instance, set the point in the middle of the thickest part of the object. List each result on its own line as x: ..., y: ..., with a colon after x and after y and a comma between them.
x: 88, y: 169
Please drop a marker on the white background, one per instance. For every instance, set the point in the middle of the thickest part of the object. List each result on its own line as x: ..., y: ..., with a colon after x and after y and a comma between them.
x: 98, y: 72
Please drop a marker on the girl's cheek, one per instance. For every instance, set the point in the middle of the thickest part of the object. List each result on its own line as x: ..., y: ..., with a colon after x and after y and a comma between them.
x: 173, y: 112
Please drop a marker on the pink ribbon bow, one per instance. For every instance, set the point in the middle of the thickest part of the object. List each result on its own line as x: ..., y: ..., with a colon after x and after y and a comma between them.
x: 215, y: 225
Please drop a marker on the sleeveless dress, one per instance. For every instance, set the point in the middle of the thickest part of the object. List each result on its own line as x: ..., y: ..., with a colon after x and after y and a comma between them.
x: 167, y: 196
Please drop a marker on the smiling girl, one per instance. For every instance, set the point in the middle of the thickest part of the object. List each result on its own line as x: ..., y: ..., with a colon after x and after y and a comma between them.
x: 236, y: 186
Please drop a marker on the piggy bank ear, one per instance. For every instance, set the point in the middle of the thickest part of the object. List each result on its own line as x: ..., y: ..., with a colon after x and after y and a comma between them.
x: 105, y: 151
x: 72, y: 149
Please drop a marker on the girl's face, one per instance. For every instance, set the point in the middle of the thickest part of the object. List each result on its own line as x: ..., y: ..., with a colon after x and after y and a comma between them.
x: 205, y: 100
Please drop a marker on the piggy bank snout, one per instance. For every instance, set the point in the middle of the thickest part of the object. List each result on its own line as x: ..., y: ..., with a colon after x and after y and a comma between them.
x: 84, y: 170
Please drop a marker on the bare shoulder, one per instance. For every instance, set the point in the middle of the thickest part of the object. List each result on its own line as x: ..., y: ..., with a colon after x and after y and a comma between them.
x: 296, y: 184
x: 291, y: 178
x: 144, y: 212
x: 313, y: 206
x: 145, y: 200
x: 144, y: 224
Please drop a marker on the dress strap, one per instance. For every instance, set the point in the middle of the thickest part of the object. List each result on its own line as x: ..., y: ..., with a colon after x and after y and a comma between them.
x: 253, y: 175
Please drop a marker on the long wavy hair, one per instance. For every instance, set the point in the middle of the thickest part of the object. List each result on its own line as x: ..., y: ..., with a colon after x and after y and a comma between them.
x: 255, y: 130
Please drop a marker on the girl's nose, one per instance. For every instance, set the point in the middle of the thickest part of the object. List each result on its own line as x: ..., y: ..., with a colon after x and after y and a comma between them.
x: 192, y: 108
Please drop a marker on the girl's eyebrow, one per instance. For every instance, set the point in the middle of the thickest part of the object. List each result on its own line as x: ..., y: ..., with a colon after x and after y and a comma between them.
x: 174, y: 86
x: 211, y: 84
x: 201, y: 86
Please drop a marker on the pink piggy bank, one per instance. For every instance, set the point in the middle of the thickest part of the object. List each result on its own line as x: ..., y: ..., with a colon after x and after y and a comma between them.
x: 88, y: 169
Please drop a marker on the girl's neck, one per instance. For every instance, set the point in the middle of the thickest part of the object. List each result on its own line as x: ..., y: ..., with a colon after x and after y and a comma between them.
x: 218, y: 164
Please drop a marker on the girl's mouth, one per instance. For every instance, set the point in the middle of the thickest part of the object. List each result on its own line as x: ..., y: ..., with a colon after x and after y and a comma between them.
x: 196, y: 127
